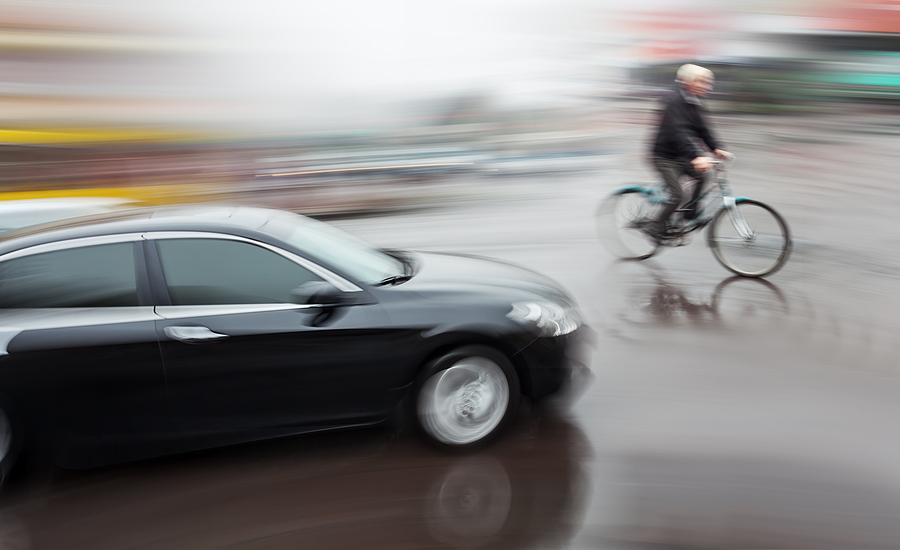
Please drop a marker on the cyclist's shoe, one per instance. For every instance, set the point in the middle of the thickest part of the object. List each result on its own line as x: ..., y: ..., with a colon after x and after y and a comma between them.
x: 665, y: 237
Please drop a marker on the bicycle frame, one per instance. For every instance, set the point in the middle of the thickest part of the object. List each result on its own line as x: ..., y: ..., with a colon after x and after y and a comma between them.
x: 705, y: 213
x: 746, y: 236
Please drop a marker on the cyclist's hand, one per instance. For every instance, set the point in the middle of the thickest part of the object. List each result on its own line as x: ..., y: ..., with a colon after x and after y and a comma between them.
x: 702, y: 164
x: 724, y: 155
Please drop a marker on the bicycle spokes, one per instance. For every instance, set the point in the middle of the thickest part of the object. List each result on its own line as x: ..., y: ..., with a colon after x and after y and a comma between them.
x: 746, y: 236
x: 751, y: 239
x: 624, y: 220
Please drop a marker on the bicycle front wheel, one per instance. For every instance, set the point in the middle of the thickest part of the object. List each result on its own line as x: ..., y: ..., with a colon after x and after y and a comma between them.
x: 623, y: 220
x: 753, y: 240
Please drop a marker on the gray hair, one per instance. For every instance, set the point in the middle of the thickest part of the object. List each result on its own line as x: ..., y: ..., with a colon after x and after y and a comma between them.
x: 687, y: 74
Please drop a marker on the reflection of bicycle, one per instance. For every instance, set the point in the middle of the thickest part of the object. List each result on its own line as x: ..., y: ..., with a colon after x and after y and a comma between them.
x: 735, y: 302
x: 746, y: 236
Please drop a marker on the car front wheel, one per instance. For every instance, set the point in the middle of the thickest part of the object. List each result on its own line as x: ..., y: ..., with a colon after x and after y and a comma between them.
x: 465, y: 397
x: 9, y: 441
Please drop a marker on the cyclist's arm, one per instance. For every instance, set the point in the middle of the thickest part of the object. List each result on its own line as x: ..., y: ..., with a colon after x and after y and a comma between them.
x: 703, y: 131
x: 685, y: 135
x: 723, y: 154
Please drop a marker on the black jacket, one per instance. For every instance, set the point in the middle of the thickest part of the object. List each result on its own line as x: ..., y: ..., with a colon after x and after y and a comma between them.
x: 681, y: 126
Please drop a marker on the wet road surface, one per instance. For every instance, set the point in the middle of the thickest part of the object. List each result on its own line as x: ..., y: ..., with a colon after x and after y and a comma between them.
x: 724, y: 413
x: 372, y: 489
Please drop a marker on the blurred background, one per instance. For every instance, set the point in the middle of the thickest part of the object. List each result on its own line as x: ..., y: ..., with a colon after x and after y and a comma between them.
x: 725, y: 413
x: 130, y: 98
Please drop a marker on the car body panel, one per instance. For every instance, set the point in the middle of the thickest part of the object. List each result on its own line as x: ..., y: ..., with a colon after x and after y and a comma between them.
x: 88, y: 379
x: 298, y: 367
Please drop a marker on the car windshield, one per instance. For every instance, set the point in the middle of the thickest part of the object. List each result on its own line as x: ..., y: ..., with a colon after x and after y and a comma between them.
x: 353, y: 256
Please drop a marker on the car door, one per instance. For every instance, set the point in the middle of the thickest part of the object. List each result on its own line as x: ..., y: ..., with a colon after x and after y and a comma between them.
x: 240, y: 355
x: 78, y: 348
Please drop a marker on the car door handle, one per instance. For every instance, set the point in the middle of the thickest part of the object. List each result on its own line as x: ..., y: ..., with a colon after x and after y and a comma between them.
x: 192, y: 334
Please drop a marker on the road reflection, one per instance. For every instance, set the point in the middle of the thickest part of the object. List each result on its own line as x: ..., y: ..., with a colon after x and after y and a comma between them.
x: 643, y: 300
x: 367, y: 489
x: 735, y: 300
x: 647, y: 297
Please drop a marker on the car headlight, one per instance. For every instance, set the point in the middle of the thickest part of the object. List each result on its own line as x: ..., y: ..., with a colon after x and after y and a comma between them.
x: 545, y: 318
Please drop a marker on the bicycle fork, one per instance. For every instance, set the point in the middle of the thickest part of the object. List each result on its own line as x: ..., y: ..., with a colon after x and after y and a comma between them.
x: 737, y: 219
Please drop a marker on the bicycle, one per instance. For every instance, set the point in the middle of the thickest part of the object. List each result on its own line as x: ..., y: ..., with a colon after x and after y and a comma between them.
x: 747, y: 237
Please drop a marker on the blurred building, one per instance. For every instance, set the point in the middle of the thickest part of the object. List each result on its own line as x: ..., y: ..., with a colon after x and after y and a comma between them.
x: 97, y: 96
x: 117, y: 97
x: 767, y: 55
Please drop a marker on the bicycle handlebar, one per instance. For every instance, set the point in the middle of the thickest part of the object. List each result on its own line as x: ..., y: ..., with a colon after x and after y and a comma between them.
x: 720, y: 165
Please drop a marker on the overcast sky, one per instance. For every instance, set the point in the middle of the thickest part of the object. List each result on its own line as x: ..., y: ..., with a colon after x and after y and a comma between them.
x: 370, y: 44
x: 317, y: 53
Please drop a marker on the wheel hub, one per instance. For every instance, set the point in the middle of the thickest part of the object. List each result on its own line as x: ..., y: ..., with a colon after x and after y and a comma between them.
x: 469, y: 400
x: 465, y: 402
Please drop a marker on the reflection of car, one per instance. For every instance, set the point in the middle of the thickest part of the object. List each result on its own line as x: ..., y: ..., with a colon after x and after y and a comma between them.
x: 322, y: 491
x: 20, y: 213
x: 151, y: 331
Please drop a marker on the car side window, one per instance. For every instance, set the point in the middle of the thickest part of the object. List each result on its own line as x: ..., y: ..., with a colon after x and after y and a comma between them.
x: 87, y: 276
x: 220, y: 271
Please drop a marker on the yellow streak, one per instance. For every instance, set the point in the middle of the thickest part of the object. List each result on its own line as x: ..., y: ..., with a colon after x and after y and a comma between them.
x: 355, y: 169
x: 150, y: 194
x: 89, y: 135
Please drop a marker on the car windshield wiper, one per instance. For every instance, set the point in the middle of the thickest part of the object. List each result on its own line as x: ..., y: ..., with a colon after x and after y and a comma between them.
x: 394, y: 280
x: 409, y: 270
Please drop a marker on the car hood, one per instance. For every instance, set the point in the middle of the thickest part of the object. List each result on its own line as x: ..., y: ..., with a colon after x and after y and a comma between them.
x: 447, y: 273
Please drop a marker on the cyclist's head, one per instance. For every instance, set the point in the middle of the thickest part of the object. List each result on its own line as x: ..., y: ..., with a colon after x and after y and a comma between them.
x: 695, y: 79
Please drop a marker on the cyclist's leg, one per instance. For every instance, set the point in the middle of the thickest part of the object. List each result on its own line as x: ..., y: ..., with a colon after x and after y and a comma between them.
x: 670, y: 170
x: 699, y: 183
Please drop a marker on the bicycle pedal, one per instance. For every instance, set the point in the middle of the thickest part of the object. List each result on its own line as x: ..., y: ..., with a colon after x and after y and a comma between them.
x: 674, y: 235
x: 673, y: 232
x: 683, y: 242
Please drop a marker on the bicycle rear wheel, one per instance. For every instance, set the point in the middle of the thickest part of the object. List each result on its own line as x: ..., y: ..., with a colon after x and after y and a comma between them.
x: 758, y: 252
x: 623, y: 220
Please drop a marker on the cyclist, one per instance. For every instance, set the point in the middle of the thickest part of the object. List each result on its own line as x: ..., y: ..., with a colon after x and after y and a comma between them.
x: 677, y: 150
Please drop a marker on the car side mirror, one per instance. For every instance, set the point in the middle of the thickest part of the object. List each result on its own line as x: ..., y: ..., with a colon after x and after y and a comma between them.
x: 322, y: 293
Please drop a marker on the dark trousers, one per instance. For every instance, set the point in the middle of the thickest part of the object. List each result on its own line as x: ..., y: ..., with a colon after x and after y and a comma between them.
x: 671, y: 171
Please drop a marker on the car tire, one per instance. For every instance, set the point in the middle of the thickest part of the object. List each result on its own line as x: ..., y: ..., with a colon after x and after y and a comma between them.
x: 464, y: 398
x: 10, y: 439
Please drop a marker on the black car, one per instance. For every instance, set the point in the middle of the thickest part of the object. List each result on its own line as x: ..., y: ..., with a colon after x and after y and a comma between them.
x: 153, y: 331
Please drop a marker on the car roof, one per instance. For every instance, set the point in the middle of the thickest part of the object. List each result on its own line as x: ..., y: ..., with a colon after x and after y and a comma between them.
x: 59, y: 203
x: 18, y: 213
x: 239, y: 220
